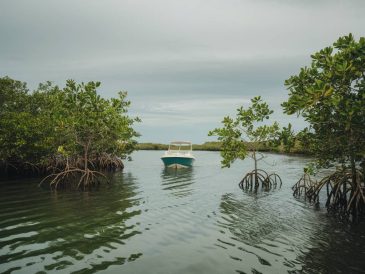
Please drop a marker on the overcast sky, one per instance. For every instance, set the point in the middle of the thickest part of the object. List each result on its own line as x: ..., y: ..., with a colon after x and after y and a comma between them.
x: 185, y: 64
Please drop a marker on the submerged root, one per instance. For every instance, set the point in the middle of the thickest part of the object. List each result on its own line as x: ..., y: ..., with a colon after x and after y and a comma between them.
x: 303, y: 186
x: 18, y: 167
x: 75, y: 178
x: 255, y: 178
x: 344, y: 190
x: 59, y: 163
x: 110, y: 162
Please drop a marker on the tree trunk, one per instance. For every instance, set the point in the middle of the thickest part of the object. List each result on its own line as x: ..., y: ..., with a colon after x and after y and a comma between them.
x: 254, y: 158
x: 86, y: 150
x: 353, y: 169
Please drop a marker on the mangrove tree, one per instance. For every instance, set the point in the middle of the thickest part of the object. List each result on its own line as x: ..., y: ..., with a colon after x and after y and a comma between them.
x: 330, y: 95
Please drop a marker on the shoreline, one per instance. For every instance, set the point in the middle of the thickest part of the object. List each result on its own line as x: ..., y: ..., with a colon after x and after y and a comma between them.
x: 216, y: 146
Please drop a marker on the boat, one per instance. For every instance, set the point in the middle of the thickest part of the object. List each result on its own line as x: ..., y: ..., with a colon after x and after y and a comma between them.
x: 179, y: 155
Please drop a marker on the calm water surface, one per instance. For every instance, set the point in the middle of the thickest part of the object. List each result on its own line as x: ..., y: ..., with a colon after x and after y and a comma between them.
x: 152, y: 220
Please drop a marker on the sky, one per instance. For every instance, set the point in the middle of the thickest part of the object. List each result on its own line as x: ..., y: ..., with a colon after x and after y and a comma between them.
x: 185, y: 64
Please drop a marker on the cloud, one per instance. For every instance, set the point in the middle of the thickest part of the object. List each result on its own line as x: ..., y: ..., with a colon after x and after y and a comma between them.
x: 188, y: 112
x: 182, y: 62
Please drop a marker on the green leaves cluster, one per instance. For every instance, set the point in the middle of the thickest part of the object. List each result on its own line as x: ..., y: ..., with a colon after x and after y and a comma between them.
x: 52, y: 122
x: 330, y: 95
x: 24, y: 133
x: 287, y: 138
x: 93, y: 124
x: 243, y: 133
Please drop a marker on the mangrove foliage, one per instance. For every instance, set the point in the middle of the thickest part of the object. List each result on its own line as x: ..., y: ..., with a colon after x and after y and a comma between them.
x: 330, y: 95
x: 70, y: 135
x: 240, y: 137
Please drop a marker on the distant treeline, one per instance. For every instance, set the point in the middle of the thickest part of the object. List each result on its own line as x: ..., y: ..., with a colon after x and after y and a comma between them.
x: 210, y: 146
x: 298, y: 148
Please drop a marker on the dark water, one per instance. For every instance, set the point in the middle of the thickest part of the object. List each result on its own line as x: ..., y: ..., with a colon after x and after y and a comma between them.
x: 153, y: 220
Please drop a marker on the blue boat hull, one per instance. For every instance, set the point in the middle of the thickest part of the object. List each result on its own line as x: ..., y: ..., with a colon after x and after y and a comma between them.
x: 177, y: 161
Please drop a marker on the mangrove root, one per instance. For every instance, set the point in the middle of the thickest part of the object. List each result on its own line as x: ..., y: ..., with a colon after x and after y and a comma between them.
x: 109, y: 162
x: 344, y: 192
x: 58, y: 163
x: 255, y: 178
x: 74, y: 177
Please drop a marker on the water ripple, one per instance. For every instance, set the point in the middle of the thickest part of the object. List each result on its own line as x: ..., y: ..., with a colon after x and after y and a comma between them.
x: 156, y: 220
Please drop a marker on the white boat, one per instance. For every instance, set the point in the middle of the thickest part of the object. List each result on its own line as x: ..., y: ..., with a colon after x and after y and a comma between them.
x: 179, y: 155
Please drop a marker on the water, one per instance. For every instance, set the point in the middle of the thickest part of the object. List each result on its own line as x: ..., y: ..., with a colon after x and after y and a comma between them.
x: 152, y: 220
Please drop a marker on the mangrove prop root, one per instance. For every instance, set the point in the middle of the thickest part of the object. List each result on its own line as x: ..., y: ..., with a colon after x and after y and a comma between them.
x: 74, y: 177
x: 57, y: 163
x: 344, y: 192
x: 106, y: 161
x: 259, y: 177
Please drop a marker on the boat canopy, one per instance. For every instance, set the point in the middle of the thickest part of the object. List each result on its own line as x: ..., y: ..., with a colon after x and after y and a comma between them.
x: 180, y: 145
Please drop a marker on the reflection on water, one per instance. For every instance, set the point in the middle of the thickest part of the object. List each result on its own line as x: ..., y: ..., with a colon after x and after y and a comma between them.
x: 154, y: 220
x: 178, y: 181
x: 336, y: 248
x: 257, y: 235
x: 82, y: 231
x: 260, y: 237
